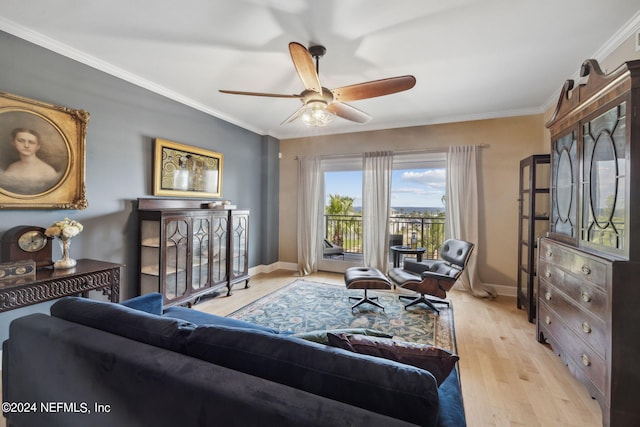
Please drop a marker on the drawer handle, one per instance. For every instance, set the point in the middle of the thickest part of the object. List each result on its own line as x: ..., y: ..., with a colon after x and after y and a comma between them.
x: 549, y: 253
x: 585, y: 296
x: 585, y: 360
x: 586, y: 270
x: 586, y: 328
x: 547, y: 296
x: 547, y: 274
x: 547, y: 320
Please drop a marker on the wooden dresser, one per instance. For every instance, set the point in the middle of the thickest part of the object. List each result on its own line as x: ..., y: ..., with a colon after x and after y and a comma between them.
x: 589, y: 264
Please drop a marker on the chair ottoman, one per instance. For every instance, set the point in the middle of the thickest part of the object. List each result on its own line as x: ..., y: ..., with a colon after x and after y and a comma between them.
x: 365, y: 278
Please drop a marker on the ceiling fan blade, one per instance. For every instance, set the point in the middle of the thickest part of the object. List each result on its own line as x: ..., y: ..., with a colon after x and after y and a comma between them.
x: 293, y: 116
x: 348, y: 112
x: 305, y: 67
x: 271, y: 95
x: 373, y: 88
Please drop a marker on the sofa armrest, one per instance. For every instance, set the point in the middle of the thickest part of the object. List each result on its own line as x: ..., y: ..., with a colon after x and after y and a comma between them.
x: 149, y: 303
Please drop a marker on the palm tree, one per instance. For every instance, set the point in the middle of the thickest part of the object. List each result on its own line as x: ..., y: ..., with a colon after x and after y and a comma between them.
x: 339, y: 205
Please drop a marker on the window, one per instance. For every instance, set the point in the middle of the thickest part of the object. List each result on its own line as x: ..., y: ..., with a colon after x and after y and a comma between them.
x: 417, y: 201
x: 343, y: 203
x: 418, y: 183
x: 418, y: 186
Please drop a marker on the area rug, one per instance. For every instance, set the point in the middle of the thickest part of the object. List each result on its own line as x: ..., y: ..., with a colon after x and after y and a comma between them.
x: 305, y: 306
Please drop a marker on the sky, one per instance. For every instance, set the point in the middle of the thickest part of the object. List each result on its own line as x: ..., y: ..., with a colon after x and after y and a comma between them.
x: 409, y: 187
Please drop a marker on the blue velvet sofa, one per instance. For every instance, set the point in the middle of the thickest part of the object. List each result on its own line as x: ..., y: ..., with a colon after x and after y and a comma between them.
x: 131, y: 364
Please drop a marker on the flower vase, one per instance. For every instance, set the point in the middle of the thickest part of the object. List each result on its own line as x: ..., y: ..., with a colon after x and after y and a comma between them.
x: 65, y: 261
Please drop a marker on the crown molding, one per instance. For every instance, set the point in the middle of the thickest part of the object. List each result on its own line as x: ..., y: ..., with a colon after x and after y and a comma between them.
x: 67, y: 51
x: 628, y: 30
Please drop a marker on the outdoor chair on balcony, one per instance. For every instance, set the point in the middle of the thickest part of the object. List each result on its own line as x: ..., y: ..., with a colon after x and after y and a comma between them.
x: 433, y: 277
x: 331, y: 250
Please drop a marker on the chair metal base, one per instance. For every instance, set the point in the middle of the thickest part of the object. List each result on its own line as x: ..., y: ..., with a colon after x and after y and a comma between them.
x: 423, y: 299
x: 366, y: 299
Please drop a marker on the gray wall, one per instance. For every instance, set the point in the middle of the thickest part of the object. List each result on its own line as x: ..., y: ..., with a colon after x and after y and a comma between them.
x: 119, y: 151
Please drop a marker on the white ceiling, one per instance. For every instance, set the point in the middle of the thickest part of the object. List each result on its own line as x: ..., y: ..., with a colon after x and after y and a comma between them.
x: 472, y: 59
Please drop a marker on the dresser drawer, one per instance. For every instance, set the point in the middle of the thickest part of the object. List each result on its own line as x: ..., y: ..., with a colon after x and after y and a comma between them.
x: 587, y: 361
x: 585, y: 294
x: 585, y: 326
x: 583, y: 266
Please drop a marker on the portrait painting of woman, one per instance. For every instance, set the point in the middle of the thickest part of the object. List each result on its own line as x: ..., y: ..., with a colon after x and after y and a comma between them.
x: 33, y: 154
x: 42, y: 154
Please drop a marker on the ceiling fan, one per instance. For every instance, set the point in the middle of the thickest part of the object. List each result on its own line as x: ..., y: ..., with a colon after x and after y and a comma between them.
x: 319, y: 104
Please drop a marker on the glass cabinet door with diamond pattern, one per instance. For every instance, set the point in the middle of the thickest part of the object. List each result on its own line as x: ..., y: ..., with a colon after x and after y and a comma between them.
x: 239, y: 269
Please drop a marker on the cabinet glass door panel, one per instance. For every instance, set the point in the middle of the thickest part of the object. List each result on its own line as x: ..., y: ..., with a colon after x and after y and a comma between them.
x: 525, y: 204
x: 603, y: 186
x: 149, y: 256
x: 240, y: 223
x: 177, y: 240
x: 200, y: 263
x: 564, y: 186
x: 525, y: 173
x: 219, y: 247
x: 542, y: 205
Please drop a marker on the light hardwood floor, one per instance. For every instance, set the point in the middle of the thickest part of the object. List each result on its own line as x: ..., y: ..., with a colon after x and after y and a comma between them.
x: 508, y: 378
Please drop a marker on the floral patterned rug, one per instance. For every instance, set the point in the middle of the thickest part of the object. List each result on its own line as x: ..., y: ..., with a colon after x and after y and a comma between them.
x: 305, y: 306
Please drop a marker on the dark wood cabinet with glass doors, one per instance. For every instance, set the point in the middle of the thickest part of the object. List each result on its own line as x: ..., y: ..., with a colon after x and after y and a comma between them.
x: 589, y: 264
x: 533, y: 223
x: 188, y: 250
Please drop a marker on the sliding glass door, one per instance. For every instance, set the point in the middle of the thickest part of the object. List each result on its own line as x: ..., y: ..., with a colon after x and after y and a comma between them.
x: 342, y: 219
x: 417, y: 207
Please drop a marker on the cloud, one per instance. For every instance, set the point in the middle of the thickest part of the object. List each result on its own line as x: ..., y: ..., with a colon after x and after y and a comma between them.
x: 430, y: 178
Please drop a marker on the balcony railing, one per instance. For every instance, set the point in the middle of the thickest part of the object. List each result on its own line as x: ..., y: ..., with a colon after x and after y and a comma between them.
x: 346, y: 231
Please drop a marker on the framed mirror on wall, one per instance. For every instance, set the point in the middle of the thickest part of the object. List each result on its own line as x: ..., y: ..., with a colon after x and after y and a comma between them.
x: 185, y: 171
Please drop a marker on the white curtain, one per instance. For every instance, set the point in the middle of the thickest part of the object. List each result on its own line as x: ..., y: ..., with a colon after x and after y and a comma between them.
x: 309, y: 211
x: 462, y: 212
x: 376, y: 201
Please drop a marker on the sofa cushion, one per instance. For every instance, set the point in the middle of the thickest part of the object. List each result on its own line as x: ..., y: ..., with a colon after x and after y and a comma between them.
x: 382, y: 386
x: 320, y: 336
x: 436, y: 360
x: 200, y: 318
x: 167, y: 333
x: 451, y: 405
x: 149, y: 303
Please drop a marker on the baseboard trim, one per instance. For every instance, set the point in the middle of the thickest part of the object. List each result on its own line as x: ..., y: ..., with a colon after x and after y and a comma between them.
x: 279, y: 265
x: 505, y: 291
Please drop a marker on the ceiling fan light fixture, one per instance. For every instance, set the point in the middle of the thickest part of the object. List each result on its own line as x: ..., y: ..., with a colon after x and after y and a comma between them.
x: 319, y: 104
x: 315, y: 113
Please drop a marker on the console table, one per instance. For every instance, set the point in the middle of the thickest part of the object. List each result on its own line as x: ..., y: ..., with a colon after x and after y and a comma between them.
x: 50, y: 284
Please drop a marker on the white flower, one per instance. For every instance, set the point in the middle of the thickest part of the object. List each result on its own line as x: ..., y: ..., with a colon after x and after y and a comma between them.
x: 53, y: 231
x: 70, y: 231
x: 65, y: 229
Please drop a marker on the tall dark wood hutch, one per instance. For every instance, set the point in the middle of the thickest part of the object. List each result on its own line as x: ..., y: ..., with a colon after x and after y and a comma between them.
x: 589, y: 265
x: 188, y: 250
x: 533, y: 223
